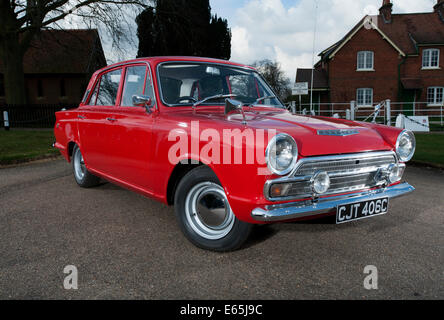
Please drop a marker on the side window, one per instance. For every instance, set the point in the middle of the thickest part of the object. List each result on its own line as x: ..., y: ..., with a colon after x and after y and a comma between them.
x: 109, y: 86
x: 134, y: 81
x: 92, y: 100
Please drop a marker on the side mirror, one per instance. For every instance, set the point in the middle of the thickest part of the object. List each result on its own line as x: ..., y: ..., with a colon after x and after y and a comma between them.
x: 232, y: 105
x: 143, y: 101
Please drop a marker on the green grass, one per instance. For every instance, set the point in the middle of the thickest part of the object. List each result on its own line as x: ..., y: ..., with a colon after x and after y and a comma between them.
x: 430, y: 148
x: 24, y: 145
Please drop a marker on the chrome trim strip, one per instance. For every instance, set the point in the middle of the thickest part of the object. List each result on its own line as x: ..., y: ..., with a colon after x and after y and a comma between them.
x: 338, y: 132
x: 291, y: 211
x: 291, y: 178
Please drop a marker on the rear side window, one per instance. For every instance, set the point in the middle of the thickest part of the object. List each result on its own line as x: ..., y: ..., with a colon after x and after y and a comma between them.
x: 108, y: 88
x: 134, y: 84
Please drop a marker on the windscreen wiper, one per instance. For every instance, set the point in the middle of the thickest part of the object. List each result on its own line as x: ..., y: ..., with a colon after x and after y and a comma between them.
x: 218, y: 96
x: 261, y: 99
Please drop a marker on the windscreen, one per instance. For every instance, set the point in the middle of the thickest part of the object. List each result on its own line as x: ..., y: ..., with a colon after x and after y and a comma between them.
x: 183, y: 84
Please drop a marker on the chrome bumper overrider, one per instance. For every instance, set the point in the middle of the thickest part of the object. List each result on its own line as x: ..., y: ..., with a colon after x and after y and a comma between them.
x: 295, y: 210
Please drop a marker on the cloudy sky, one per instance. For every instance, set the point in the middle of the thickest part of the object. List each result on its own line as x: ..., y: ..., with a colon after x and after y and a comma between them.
x: 283, y: 30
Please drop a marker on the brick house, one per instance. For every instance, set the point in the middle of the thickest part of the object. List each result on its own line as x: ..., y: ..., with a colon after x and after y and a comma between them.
x: 390, y: 56
x: 58, y: 66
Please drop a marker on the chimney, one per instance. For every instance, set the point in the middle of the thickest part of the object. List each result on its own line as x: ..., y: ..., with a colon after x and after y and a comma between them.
x: 386, y: 10
x: 439, y: 8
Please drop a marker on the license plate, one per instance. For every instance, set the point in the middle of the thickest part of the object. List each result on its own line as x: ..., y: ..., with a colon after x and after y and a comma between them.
x: 361, y: 210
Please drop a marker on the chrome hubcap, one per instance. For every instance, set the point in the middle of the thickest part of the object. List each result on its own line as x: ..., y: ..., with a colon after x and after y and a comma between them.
x: 208, y: 211
x: 79, y: 165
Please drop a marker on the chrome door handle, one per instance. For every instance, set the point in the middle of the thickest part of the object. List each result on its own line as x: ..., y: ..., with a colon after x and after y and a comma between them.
x: 111, y: 119
x: 80, y: 117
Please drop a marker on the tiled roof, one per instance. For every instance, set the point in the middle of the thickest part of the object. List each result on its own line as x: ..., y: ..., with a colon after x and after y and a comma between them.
x: 72, y: 51
x: 406, y: 31
x: 320, y: 79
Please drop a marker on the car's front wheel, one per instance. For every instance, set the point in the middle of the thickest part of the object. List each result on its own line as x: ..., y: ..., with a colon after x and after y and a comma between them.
x: 204, y: 214
x: 82, y: 176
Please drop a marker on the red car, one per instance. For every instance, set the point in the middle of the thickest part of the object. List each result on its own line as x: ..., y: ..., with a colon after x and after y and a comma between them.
x: 211, y: 138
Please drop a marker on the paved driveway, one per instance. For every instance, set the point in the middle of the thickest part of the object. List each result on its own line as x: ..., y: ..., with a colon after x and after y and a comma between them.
x: 128, y: 247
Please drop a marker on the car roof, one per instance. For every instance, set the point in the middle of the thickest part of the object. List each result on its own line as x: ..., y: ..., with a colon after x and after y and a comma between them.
x: 156, y: 60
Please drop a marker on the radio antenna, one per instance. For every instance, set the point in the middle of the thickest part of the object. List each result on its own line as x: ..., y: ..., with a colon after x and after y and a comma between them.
x: 313, y: 55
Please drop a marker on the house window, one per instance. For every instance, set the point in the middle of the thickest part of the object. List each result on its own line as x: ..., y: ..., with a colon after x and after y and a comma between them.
x: 364, y: 97
x: 430, y: 59
x: 365, y: 60
x: 435, y: 96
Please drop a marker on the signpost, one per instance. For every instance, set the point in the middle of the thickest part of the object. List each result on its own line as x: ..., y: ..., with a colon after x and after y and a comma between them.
x: 300, y: 89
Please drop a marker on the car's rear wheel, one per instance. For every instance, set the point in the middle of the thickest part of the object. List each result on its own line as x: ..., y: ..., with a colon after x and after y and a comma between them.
x: 204, y: 214
x: 82, y: 176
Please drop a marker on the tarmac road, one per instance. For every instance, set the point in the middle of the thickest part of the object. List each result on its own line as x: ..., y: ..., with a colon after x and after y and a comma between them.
x: 125, y: 246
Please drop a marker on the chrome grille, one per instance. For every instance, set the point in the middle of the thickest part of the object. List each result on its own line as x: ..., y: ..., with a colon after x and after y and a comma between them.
x: 345, y: 165
x: 347, y: 173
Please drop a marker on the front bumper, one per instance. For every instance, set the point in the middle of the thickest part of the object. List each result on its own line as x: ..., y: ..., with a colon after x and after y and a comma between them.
x: 296, y: 210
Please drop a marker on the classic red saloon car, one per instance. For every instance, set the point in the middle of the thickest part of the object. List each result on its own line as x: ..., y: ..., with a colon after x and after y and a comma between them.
x: 211, y: 138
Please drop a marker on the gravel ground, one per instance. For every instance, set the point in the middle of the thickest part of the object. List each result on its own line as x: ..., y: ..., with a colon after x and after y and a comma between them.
x: 125, y: 246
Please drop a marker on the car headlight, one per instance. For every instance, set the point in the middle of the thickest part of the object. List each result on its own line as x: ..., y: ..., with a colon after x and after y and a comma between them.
x: 281, y: 154
x: 405, y: 145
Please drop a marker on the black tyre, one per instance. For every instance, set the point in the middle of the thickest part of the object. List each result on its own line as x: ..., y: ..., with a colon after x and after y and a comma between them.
x: 82, y: 176
x: 204, y: 214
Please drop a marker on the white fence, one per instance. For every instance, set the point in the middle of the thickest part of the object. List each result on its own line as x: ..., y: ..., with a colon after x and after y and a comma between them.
x: 387, y: 115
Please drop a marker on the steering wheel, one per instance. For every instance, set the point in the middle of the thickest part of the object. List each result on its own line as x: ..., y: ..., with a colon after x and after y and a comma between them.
x: 187, y: 98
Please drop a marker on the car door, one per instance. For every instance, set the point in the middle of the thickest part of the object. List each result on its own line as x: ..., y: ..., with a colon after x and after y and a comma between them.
x: 94, y: 121
x: 131, y: 131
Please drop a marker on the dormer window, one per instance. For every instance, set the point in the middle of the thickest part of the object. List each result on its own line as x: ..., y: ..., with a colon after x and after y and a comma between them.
x: 430, y: 59
x: 365, y: 61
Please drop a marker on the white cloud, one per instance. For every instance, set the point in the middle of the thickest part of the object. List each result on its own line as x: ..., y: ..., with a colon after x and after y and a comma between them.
x: 267, y: 29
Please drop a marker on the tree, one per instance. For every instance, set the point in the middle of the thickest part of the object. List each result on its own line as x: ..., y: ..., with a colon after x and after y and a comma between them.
x: 182, y: 27
x: 275, y: 76
x: 22, y: 20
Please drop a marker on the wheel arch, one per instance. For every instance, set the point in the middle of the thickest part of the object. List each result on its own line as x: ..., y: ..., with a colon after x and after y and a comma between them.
x: 70, y: 148
x: 179, y: 171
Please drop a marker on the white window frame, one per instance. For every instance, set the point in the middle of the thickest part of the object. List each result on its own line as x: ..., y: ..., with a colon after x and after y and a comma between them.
x: 364, y: 103
x: 427, y: 63
x: 435, y: 96
x: 366, y: 54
